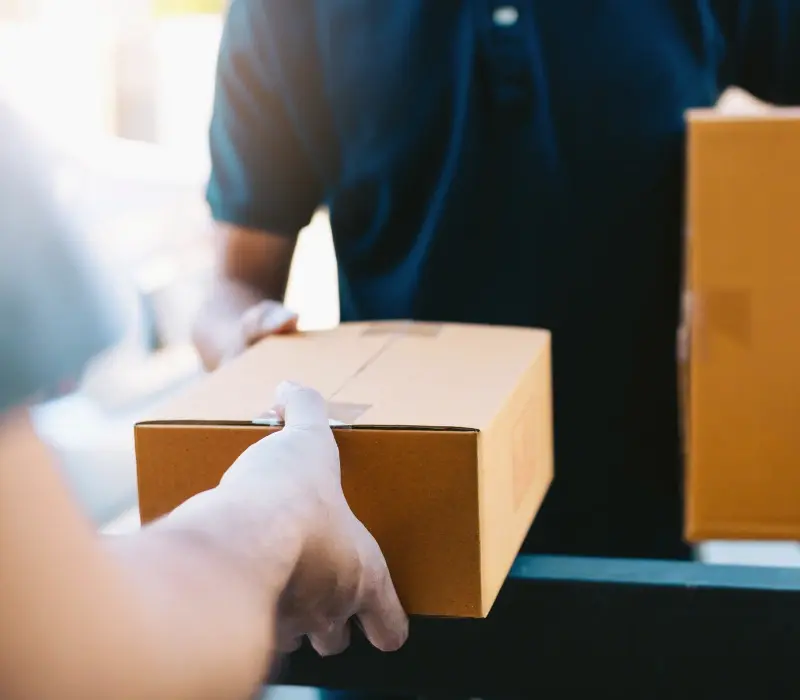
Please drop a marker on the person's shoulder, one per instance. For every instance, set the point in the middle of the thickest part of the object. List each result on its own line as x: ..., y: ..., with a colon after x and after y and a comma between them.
x: 306, y: 21
x: 271, y: 31
x: 56, y: 309
x: 273, y: 15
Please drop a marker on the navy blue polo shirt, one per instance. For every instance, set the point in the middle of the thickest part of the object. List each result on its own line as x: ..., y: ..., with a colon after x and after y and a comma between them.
x: 513, y: 162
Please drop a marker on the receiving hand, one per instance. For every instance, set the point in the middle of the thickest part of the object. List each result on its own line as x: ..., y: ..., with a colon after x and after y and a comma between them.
x: 338, y: 570
x: 260, y: 321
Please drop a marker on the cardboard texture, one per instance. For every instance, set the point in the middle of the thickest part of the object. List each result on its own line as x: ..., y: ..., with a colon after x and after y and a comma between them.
x: 444, y: 431
x: 742, y: 391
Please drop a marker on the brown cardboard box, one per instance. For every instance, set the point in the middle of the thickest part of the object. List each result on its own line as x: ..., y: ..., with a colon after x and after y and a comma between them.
x: 446, y: 454
x: 743, y: 399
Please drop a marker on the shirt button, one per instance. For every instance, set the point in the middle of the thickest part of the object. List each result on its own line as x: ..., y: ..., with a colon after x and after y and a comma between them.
x: 505, y: 16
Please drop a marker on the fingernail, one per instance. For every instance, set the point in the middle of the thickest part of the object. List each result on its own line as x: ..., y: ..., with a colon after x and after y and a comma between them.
x: 277, y: 318
x: 333, y: 641
x: 274, y: 415
x: 283, y: 389
x: 281, y: 394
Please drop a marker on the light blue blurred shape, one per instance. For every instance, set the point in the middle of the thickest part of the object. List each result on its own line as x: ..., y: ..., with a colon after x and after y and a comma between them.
x: 56, y: 310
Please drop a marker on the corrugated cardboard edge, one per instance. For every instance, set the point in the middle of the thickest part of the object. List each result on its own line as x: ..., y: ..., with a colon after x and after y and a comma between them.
x: 687, y: 335
x: 336, y: 425
x: 340, y: 414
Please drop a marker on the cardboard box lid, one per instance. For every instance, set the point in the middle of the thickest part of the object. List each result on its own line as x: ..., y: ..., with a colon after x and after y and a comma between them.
x: 392, y: 374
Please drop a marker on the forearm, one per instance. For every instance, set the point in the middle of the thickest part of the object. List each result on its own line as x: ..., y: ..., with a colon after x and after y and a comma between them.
x: 251, y: 266
x: 208, y: 579
x: 171, y: 612
x: 164, y: 613
x: 200, y: 615
x: 257, y: 260
x: 220, y: 318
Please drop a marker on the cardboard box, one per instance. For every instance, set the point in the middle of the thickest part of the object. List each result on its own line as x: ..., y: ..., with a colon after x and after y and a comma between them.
x: 742, y: 417
x: 446, y: 454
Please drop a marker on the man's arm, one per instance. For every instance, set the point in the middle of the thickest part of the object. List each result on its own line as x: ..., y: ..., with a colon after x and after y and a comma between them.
x: 172, y: 615
x: 192, y: 606
x: 263, y: 187
x: 257, y: 259
x: 762, y: 53
x: 252, y: 267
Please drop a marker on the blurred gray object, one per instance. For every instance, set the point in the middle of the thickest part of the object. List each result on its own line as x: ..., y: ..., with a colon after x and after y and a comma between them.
x: 56, y: 309
x: 142, y: 215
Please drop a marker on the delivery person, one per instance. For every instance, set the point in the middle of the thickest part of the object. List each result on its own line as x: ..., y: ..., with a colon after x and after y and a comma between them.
x: 494, y: 161
x: 188, y: 607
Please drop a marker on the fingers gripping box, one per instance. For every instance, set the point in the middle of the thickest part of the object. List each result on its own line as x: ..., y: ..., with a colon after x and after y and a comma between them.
x: 444, y: 432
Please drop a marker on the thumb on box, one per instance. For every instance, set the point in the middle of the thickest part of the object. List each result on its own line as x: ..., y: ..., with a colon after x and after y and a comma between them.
x: 300, y: 407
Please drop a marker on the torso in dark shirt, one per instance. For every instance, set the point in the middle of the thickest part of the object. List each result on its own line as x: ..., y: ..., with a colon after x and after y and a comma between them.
x: 517, y: 164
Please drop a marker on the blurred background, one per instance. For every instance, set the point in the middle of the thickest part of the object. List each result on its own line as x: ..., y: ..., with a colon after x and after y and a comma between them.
x: 123, y: 90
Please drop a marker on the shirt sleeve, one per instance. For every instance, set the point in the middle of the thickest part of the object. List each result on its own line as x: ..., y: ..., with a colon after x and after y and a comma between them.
x: 763, y: 47
x: 261, y: 175
x: 56, y: 313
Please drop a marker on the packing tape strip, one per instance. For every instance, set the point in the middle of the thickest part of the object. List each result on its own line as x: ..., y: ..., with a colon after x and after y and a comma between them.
x: 341, y: 414
x: 729, y: 313
x: 410, y: 328
x: 719, y: 313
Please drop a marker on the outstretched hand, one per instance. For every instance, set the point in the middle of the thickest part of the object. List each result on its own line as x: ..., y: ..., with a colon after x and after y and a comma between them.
x: 340, y: 571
